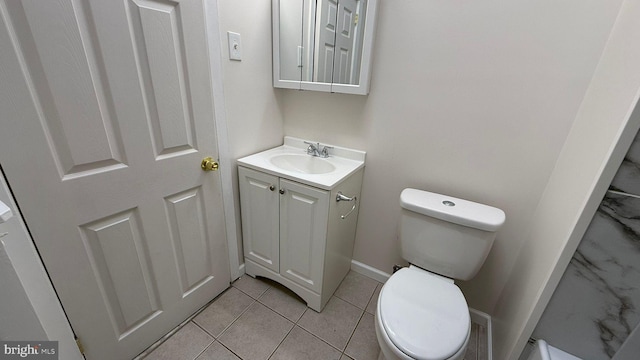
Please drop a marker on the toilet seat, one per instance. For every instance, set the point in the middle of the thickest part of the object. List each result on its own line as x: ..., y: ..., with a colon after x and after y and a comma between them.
x: 424, y: 316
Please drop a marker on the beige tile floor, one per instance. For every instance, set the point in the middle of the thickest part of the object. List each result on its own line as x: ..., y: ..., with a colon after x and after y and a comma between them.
x: 257, y: 319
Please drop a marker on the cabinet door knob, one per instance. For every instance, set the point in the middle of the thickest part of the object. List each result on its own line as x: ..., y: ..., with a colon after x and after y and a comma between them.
x: 281, y: 191
x: 272, y: 187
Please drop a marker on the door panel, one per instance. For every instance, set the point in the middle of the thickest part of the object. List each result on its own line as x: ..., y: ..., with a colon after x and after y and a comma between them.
x: 304, y: 213
x: 187, y: 220
x: 260, y: 217
x: 160, y: 51
x: 119, y: 259
x: 107, y: 112
x: 98, y: 145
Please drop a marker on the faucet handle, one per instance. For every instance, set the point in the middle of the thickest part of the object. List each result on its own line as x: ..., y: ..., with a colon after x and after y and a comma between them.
x: 312, y: 149
x: 325, y: 151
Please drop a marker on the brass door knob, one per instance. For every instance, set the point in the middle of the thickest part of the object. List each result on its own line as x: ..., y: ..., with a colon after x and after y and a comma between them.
x: 208, y: 164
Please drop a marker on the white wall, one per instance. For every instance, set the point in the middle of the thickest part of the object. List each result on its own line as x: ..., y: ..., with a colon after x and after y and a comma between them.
x: 476, y: 100
x: 470, y: 99
x: 601, y: 134
x: 253, y: 114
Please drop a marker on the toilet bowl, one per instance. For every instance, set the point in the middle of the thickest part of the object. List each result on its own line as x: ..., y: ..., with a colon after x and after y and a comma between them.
x: 421, y: 315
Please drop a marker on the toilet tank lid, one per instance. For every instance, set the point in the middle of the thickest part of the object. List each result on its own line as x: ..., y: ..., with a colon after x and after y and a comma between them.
x: 448, y: 208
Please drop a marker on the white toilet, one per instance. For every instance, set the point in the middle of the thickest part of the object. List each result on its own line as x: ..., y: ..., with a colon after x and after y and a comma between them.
x: 421, y: 313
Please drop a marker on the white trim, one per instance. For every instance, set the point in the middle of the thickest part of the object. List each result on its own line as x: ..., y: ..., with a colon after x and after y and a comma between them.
x: 479, y: 317
x: 224, y: 154
x: 315, y: 86
x: 275, y: 34
x: 241, y: 270
x: 484, y: 319
x: 369, y: 271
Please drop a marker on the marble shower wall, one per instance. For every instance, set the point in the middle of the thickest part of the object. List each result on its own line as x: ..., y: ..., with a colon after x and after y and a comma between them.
x: 596, y: 305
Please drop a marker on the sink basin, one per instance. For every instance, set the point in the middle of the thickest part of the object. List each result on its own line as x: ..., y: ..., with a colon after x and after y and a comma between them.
x: 302, y: 163
x: 290, y: 161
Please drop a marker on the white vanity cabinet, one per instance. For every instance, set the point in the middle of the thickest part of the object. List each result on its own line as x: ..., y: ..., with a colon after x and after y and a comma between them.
x: 296, y: 234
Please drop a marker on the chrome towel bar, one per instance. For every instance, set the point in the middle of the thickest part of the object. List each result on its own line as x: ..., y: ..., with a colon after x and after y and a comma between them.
x: 342, y: 197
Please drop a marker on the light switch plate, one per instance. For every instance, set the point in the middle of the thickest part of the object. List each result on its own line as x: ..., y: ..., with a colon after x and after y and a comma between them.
x: 235, y: 46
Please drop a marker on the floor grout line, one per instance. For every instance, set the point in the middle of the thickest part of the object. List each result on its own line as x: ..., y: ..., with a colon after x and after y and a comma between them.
x: 295, y: 323
x: 235, y: 320
x: 321, y: 339
x: 281, y: 341
x: 231, y: 351
x: 353, y: 332
x: 205, y: 349
x: 202, y: 328
x: 173, y: 331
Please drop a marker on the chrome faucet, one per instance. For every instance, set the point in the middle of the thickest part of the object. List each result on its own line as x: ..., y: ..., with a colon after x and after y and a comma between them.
x: 315, y: 149
x: 325, y: 151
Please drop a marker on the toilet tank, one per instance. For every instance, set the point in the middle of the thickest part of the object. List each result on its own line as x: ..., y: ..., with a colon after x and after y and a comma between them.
x: 446, y: 235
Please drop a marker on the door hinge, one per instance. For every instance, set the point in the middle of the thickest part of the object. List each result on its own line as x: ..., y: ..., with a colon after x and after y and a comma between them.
x: 79, y: 344
x: 355, y: 21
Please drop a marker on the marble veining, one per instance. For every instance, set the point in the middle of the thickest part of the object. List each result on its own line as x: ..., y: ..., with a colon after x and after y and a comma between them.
x: 595, y: 306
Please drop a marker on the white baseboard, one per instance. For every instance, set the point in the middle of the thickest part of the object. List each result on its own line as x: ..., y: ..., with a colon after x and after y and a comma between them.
x: 369, y: 271
x: 484, y: 320
x: 479, y: 317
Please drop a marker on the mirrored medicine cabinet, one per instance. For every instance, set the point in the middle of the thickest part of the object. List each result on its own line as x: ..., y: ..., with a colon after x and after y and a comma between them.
x: 323, y: 45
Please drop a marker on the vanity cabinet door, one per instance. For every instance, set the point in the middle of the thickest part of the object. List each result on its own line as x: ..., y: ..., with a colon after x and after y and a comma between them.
x: 304, y: 212
x: 260, y: 217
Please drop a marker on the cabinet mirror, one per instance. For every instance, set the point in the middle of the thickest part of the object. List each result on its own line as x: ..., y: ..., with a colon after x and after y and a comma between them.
x: 323, y: 45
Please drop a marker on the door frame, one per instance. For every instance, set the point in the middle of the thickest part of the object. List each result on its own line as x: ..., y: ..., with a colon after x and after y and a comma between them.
x: 212, y: 24
x: 27, y: 261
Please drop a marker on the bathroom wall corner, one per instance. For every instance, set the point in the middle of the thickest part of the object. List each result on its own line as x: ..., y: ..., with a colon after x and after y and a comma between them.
x: 369, y: 271
x: 484, y: 319
x: 602, y: 132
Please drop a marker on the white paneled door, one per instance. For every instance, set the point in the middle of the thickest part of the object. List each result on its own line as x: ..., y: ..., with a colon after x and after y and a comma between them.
x: 345, y: 41
x: 326, y: 40
x: 106, y: 113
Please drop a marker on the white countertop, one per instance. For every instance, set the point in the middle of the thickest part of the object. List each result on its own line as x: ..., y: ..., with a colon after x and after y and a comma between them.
x: 346, y: 162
